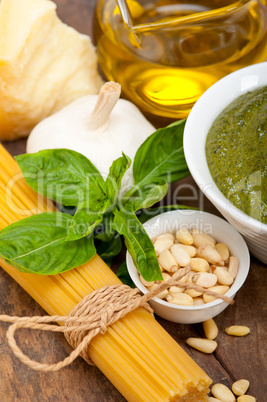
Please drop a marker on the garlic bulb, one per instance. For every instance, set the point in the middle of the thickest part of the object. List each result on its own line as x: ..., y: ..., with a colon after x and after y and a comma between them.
x: 99, y: 127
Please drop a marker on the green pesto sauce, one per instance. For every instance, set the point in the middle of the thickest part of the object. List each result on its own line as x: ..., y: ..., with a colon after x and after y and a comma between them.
x: 236, y: 151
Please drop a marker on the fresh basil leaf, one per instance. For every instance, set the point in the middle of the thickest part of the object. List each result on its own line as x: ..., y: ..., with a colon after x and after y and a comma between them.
x: 101, y: 235
x: 87, y: 217
x: 138, y: 244
x: 83, y: 223
x: 37, y: 245
x: 63, y: 175
x: 161, y: 156
x: 70, y: 210
x: 108, y: 225
x: 108, y: 250
x: 116, y: 172
x: 146, y: 196
x: 124, y: 276
x: 149, y: 213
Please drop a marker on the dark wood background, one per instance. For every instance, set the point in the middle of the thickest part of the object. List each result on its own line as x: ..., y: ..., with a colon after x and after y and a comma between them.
x: 234, y: 358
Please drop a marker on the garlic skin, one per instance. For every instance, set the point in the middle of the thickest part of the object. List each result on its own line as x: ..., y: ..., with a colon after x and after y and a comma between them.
x: 99, y: 127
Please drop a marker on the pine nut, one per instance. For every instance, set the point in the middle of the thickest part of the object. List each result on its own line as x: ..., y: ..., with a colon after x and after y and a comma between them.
x: 203, y: 345
x: 162, y: 294
x: 204, y: 279
x: 221, y: 289
x: 176, y: 289
x: 166, y: 260
x: 192, y: 292
x: 185, y: 278
x: 191, y: 250
x: 165, y: 236
x: 165, y: 276
x: 184, y: 236
x: 223, y: 250
x: 162, y: 244
x: 223, y: 393
x: 237, y: 330
x: 210, y: 329
x: 211, y: 399
x: 240, y: 387
x: 210, y: 254
x: 200, y: 238
x: 199, y: 264
x: 233, y: 266
x: 246, y: 398
x: 174, y: 268
x: 180, y: 255
x: 180, y: 298
x: 211, y: 266
x: 198, y: 301
x: 146, y: 283
x: 224, y: 277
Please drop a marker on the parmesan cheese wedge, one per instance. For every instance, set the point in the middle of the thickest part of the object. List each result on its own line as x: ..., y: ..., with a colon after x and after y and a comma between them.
x: 44, y: 65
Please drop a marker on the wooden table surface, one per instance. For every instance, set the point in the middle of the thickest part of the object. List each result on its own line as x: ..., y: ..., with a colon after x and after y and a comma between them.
x: 234, y: 358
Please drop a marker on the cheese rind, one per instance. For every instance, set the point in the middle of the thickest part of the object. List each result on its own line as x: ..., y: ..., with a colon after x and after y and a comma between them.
x: 44, y: 65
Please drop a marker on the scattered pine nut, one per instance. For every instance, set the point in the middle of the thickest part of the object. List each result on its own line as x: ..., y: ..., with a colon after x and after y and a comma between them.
x: 211, y: 399
x: 210, y: 329
x: 240, y: 387
x: 246, y: 398
x: 201, y: 344
x: 237, y: 330
x: 221, y: 392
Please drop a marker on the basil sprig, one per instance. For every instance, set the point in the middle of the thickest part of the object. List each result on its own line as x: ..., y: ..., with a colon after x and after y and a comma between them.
x: 38, y: 245
x: 50, y: 243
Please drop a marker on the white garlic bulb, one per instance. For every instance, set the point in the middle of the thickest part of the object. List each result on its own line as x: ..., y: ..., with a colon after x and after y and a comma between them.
x: 99, y: 127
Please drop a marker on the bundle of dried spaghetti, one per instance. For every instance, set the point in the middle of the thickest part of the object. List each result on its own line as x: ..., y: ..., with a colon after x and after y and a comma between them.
x: 137, y: 355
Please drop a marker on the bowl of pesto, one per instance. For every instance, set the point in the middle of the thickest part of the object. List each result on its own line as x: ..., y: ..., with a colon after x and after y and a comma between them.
x: 225, y: 145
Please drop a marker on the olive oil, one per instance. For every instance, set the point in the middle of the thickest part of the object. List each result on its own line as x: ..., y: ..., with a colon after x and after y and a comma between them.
x: 175, y: 50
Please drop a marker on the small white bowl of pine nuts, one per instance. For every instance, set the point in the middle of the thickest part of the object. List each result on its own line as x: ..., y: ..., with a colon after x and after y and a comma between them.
x: 216, y: 253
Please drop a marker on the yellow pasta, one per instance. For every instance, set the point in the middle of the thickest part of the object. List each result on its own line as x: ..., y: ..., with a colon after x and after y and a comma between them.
x: 137, y: 355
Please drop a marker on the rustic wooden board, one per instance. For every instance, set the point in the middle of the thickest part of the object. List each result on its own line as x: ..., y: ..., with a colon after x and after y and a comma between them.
x: 234, y: 358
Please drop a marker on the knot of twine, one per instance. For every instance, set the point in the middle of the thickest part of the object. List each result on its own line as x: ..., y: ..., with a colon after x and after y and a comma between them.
x: 92, y: 316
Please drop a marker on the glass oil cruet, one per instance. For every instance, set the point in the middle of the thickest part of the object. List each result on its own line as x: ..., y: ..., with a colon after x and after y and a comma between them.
x: 166, y: 53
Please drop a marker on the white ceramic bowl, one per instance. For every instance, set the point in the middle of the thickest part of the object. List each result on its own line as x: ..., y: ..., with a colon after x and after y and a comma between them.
x: 200, y: 119
x: 222, y: 232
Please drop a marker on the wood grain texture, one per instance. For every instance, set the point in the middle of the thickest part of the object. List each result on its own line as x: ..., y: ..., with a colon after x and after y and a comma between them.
x: 234, y: 358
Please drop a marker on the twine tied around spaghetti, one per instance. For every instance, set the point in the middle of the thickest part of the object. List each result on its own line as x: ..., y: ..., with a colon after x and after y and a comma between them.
x: 92, y: 316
